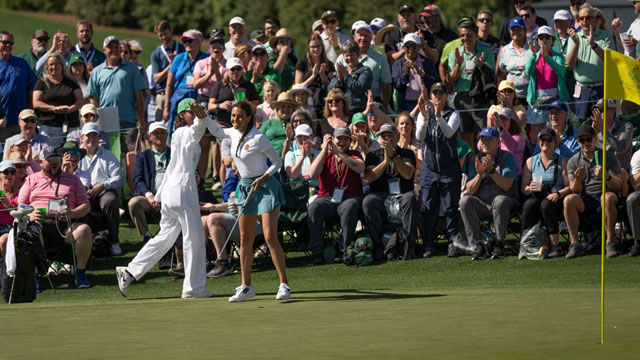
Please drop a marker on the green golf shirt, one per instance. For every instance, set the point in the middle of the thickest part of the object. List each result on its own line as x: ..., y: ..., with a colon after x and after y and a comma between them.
x: 32, y: 61
x: 589, y: 68
x: 464, y: 81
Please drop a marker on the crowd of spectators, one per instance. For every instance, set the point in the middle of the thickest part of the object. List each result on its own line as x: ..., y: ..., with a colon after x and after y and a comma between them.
x: 436, y: 121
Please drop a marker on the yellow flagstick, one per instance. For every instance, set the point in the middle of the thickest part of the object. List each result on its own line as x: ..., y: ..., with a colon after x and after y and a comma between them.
x: 602, y: 204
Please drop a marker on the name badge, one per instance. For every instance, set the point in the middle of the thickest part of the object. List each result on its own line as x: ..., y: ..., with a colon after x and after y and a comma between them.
x: 577, y: 91
x: 338, y: 194
x: 55, y: 206
x: 190, y: 81
x: 394, y: 186
x: 469, y: 65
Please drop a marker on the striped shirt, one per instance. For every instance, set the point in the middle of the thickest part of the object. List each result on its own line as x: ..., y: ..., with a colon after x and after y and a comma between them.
x: 39, y: 188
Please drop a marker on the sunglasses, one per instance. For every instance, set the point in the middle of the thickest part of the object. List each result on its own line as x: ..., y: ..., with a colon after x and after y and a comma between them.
x: 43, y: 39
x: 371, y: 114
x: 585, y: 18
x: 88, y: 115
x: 507, y: 91
x: 334, y: 101
x: 217, y: 45
x: 546, y: 139
x: 486, y: 20
x: 73, y: 152
x: 125, y: 52
x: 410, y: 46
x: 7, y: 42
x: 585, y: 140
x: 30, y: 121
x: 332, y: 21
x: 9, y: 172
x: 237, y: 68
x: 137, y: 52
x: 187, y: 41
x: 259, y: 53
x: 53, y: 159
x: 284, y: 41
x: 526, y: 16
x: 578, y: 3
x: 544, y: 37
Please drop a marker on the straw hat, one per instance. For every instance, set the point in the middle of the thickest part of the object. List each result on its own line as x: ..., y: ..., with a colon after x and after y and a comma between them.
x: 283, y: 99
x: 17, y: 158
x: 382, y: 32
x: 283, y: 33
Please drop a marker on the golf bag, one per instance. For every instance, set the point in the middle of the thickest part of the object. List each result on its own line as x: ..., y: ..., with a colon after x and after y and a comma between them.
x: 29, y: 256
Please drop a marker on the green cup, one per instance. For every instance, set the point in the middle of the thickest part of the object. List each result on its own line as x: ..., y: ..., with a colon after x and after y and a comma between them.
x: 43, y: 212
x: 241, y: 95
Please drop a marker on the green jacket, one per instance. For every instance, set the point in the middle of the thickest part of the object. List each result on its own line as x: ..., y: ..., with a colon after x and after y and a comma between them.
x: 557, y: 63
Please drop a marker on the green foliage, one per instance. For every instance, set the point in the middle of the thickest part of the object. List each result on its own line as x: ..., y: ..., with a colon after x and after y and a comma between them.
x: 37, y: 5
x: 108, y: 12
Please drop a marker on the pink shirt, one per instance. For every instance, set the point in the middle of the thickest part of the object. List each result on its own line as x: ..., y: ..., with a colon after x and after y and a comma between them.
x: 5, y: 218
x: 265, y: 112
x: 38, y: 189
x: 546, y: 78
x: 202, y: 68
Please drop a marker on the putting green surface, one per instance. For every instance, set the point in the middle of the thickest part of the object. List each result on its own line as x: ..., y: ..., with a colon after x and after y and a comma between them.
x: 436, y: 308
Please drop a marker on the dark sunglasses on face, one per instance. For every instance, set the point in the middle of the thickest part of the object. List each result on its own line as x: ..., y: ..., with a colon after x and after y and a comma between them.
x: 585, y: 140
x: 30, y: 121
x: 546, y: 139
x: 410, y: 46
x: 74, y: 152
x: 237, y: 68
x: 577, y: 3
x: 486, y: 20
x: 332, y: 21
x: 544, y: 37
x: 508, y: 91
x: 371, y: 114
x: 284, y: 41
x: 217, y: 45
x: 334, y: 101
x: 126, y: 52
x: 187, y: 41
x: 43, y: 39
x: 7, y: 42
x: 585, y: 18
x: 9, y: 172
x: 259, y: 53
x: 53, y: 159
x: 88, y: 115
x: 526, y: 16
x: 137, y: 52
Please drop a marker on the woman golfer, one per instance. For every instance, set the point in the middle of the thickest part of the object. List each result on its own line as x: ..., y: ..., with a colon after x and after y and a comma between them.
x: 250, y: 150
x: 180, y: 211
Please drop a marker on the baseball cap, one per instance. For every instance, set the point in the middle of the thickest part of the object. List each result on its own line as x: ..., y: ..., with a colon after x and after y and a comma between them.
x: 233, y: 62
x: 430, y: 11
x: 300, y: 88
x: 490, y: 132
x: 466, y: 19
x: 109, y: 39
x: 439, y: 87
x: 157, y: 125
x: 256, y: 34
x: 49, y: 151
x: 562, y: 15
x: 506, y: 112
x: 71, y: 145
x: 547, y: 131
x: 516, y: 22
x: 358, y: 118
x: 377, y: 24
x: 258, y: 47
x: 545, y: 30
x: 611, y: 104
x: 76, y: 58
x: 40, y: 33
x: 135, y: 45
x: 559, y: 105
x: 301, y: 111
x: 411, y: 37
x: 16, y: 140
x: 328, y: 13
x: 7, y: 164
x: 191, y: 34
x: 89, y: 128
x: 316, y: 24
x: 586, y: 129
x: 360, y: 24
x: 504, y: 84
x: 216, y: 33
x: 88, y: 109
x: 386, y: 127
x: 237, y: 20
x: 342, y: 131
x: 303, y: 129
x: 27, y: 114
x: 406, y: 8
x: 183, y: 105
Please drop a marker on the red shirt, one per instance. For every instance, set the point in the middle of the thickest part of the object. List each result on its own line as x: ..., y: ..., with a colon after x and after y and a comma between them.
x: 38, y: 189
x: 348, y: 179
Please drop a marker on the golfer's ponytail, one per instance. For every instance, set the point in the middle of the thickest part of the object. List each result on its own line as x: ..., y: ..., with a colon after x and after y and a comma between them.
x: 246, y: 108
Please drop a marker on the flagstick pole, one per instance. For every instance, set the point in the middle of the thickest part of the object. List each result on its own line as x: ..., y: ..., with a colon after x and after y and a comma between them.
x: 602, y: 201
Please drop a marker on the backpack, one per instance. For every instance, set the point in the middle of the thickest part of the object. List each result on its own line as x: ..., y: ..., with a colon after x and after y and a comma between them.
x: 29, y: 257
x: 359, y: 252
x: 399, y: 246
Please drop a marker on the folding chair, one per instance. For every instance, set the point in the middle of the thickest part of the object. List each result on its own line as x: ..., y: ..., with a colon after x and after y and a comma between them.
x: 293, y: 216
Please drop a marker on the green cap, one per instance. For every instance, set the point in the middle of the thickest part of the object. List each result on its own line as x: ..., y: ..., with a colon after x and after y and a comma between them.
x: 256, y: 34
x: 71, y: 145
x: 77, y: 58
x: 358, y: 118
x: 183, y: 105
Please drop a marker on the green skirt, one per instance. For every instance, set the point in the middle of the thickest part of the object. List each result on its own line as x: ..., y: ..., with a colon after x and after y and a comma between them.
x: 267, y: 197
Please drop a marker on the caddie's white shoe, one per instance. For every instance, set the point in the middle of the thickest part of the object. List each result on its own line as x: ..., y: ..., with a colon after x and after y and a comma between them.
x: 124, y: 279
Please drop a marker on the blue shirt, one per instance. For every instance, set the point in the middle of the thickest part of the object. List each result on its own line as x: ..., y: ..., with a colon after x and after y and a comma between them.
x: 505, y: 164
x: 17, y: 79
x: 104, y: 168
x: 159, y: 61
x: 117, y: 87
x: 180, y: 64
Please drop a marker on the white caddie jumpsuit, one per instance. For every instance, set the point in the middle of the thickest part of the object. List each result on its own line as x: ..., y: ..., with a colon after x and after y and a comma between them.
x: 180, y: 211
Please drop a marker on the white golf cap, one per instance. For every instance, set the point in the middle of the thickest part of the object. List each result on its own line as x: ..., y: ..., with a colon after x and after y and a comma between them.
x: 360, y: 24
x: 411, y: 37
x: 108, y: 40
x: 233, y: 62
x: 237, y: 20
x: 88, y: 128
x: 562, y: 15
x: 258, y: 47
x: 157, y: 125
x: 545, y: 30
x: 378, y: 23
x: 303, y: 129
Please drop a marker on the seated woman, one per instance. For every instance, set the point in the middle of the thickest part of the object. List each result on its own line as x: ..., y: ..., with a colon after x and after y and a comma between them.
x: 298, y: 162
x: 511, y: 139
x: 507, y: 98
x: 336, y: 113
x: 545, y: 199
x: 360, y: 140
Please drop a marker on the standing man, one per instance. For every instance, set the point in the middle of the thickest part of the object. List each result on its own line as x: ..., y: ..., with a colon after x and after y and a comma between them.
x: 237, y: 28
x: 271, y: 27
x: 381, y: 83
x: 484, y: 23
x: 39, y: 46
x: 431, y: 17
x: 505, y: 37
x: 117, y: 82
x: 17, y: 81
x: 332, y: 38
x: 161, y: 59
x: 586, y: 58
x: 393, y: 43
x: 562, y: 23
x: 528, y: 14
x: 92, y: 56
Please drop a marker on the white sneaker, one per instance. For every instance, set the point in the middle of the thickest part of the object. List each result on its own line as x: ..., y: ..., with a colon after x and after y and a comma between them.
x: 115, y: 249
x: 200, y: 295
x: 124, y: 279
x: 243, y: 293
x: 284, y: 291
